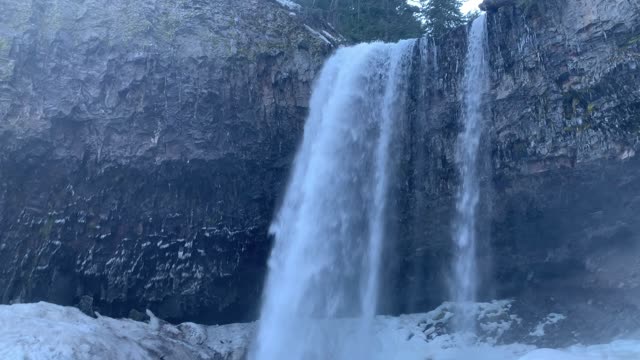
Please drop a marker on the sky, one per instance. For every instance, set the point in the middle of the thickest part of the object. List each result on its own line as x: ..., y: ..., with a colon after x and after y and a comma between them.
x: 470, y: 5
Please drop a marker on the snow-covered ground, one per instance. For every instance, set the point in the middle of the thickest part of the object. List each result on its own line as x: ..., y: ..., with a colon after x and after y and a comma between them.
x: 45, y: 331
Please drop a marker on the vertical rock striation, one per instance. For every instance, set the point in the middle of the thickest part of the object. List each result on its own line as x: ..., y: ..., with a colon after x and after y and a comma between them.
x: 142, y: 147
x: 559, y: 222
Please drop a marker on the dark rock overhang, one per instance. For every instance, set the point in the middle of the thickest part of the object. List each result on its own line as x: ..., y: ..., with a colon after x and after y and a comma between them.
x: 494, y: 5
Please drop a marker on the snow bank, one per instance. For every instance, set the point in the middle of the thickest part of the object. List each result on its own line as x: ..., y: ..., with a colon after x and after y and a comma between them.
x: 617, y: 350
x: 45, y: 331
x: 50, y: 332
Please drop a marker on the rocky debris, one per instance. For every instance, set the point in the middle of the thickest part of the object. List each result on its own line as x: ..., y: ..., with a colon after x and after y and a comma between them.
x: 86, y: 305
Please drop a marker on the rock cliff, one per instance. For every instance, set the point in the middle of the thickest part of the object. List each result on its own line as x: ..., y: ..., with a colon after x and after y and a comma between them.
x: 561, y: 183
x: 142, y: 149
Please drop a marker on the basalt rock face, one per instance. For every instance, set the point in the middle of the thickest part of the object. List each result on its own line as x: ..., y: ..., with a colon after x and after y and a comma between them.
x: 142, y: 149
x: 493, y: 5
x: 565, y: 133
x: 561, y: 178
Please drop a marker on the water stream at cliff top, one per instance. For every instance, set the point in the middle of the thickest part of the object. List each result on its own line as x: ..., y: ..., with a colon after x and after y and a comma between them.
x: 476, y: 82
x: 330, y: 230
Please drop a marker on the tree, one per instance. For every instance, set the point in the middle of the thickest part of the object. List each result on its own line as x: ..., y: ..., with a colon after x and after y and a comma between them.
x: 472, y: 15
x: 368, y: 20
x: 440, y: 16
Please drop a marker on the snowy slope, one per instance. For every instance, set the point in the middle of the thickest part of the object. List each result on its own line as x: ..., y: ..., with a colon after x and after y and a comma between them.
x: 45, y: 331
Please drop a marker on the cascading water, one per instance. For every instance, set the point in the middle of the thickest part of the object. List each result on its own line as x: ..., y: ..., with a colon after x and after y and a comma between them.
x: 476, y: 82
x: 330, y: 229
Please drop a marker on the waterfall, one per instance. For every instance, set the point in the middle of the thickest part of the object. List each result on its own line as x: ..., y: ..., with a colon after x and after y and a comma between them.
x: 476, y: 83
x: 330, y: 229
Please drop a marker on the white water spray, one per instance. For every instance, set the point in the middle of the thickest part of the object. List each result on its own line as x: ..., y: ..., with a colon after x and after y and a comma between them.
x: 476, y: 84
x: 331, y: 227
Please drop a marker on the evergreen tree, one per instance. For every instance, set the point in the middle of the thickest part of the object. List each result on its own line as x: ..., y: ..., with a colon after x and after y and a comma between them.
x: 368, y: 20
x: 472, y: 15
x: 440, y: 16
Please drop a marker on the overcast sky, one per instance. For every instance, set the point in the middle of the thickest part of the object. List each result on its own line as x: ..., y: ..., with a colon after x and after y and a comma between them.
x: 470, y: 5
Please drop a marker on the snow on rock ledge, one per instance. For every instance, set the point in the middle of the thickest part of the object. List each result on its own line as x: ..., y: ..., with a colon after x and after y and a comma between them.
x: 289, y: 4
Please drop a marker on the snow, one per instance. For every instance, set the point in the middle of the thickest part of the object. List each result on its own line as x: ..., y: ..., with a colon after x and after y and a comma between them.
x: 471, y: 5
x: 45, y: 331
x: 550, y: 320
x: 327, y: 35
x: 316, y: 33
x: 289, y: 4
x: 617, y: 350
